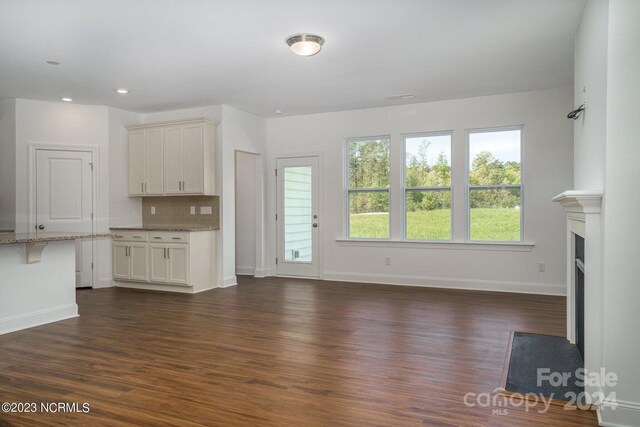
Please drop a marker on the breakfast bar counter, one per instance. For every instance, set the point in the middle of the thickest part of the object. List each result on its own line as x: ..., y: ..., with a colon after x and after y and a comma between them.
x: 38, y: 281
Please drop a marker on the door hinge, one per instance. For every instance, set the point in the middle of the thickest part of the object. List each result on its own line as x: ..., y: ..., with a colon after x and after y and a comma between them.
x: 91, y: 164
x: 276, y: 261
x: 91, y: 215
x: 276, y: 171
x: 92, y: 266
x: 276, y: 217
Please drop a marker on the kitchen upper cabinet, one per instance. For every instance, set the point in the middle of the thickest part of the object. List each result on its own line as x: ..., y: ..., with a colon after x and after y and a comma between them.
x: 146, y: 155
x: 185, y: 164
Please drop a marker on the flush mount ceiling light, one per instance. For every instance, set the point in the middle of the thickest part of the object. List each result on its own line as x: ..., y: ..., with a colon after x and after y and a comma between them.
x: 305, y: 44
x: 122, y: 91
x: 65, y: 99
x: 53, y: 62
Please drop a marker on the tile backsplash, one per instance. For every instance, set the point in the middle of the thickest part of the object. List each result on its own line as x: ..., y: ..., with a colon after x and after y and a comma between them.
x: 176, y: 211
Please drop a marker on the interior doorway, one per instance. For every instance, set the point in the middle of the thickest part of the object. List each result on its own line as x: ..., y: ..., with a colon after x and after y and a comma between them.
x: 249, y: 214
x: 64, y: 201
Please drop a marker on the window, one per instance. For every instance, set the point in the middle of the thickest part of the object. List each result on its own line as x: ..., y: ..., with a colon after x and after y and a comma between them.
x: 368, y: 187
x: 427, y: 177
x: 494, y: 185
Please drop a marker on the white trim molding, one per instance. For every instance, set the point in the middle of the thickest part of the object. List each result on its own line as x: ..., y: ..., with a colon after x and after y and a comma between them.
x: 228, y: 281
x: 580, y: 201
x: 620, y: 413
x: 432, y: 244
x: 37, y: 318
x: 450, y: 283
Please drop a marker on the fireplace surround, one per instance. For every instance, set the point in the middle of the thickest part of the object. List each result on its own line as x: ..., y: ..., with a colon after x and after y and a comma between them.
x: 584, y: 220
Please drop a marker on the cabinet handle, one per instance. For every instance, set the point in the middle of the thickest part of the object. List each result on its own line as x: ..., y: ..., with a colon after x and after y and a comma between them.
x: 176, y: 238
x: 184, y: 185
x: 156, y: 237
x: 126, y: 251
x: 165, y: 253
x: 142, y: 187
x: 145, y: 187
x: 169, y: 253
x: 179, y: 185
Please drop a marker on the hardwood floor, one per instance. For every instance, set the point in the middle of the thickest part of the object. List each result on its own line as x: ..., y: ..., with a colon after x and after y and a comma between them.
x: 278, y: 352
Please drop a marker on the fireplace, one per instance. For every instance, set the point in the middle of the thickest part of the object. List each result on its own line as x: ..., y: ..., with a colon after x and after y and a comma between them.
x: 579, y: 293
x: 585, y: 291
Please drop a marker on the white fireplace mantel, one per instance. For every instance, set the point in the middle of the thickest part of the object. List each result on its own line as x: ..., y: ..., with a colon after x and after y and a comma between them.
x: 580, y: 201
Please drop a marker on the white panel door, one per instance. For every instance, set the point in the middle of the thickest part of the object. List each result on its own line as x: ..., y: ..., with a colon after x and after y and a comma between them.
x: 173, y: 163
x: 193, y: 149
x: 136, y: 163
x: 178, y: 263
x: 298, y: 217
x: 154, y: 161
x: 64, y: 201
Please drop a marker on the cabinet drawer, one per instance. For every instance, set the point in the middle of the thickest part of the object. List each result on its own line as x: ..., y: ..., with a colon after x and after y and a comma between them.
x: 168, y: 237
x: 130, y: 235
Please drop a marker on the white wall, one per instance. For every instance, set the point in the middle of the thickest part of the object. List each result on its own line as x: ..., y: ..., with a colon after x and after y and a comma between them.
x: 123, y: 210
x: 65, y: 124
x: 246, y: 213
x: 622, y: 201
x: 7, y: 164
x: 244, y: 132
x: 590, y: 82
x: 547, y: 171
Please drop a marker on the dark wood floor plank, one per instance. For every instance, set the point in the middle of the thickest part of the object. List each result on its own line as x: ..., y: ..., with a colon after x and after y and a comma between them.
x: 278, y: 352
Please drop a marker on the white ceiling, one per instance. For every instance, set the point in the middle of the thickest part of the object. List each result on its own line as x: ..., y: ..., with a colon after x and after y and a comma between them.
x: 182, y: 53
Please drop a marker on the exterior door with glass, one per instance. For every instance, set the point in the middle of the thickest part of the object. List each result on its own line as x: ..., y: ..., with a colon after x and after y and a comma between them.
x: 297, y: 217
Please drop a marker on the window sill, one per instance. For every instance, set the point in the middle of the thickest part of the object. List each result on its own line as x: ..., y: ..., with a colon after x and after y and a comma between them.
x: 448, y: 245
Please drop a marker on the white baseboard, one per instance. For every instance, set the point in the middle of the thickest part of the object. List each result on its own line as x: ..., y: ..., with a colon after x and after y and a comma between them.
x: 37, y: 318
x: 156, y: 287
x: 105, y: 282
x: 450, y: 283
x: 245, y: 270
x: 262, y: 272
x: 228, y: 281
x: 620, y: 413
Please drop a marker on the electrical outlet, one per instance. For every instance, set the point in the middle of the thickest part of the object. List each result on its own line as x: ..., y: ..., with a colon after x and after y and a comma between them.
x: 542, y: 267
x: 387, y: 260
x: 193, y: 210
x: 205, y: 210
x: 153, y: 210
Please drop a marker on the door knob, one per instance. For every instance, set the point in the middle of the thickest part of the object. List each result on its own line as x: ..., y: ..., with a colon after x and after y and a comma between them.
x: 41, y: 227
x: 315, y: 225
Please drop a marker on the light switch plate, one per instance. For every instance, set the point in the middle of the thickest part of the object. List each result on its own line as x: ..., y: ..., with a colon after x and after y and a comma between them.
x: 193, y: 210
x: 205, y: 210
x: 153, y: 210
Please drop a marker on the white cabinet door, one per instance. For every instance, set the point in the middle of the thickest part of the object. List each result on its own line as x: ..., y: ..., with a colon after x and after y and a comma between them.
x: 154, y: 161
x: 159, y: 263
x: 173, y: 163
x: 193, y: 157
x: 178, y: 263
x: 121, y: 265
x: 136, y: 162
x: 138, y: 257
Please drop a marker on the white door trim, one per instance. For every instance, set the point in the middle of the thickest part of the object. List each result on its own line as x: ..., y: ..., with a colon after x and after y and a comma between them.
x: 31, y: 186
x: 321, y: 213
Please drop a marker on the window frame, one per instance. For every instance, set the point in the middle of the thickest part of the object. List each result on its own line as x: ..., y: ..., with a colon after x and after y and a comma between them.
x: 469, y: 187
x: 348, y: 191
x: 405, y: 189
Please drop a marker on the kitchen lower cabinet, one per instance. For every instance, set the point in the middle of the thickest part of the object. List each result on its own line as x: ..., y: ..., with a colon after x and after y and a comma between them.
x: 163, y: 260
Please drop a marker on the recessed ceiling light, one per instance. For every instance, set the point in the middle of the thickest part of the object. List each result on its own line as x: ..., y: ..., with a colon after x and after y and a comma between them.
x: 66, y: 99
x: 53, y: 62
x: 278, y: 111
x: 305, y: 44
x: 405, y: 96
x: 122, y: 91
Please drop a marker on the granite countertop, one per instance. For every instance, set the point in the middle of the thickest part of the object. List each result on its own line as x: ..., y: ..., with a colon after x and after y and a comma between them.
x: 10, y: 238
x: 168, y: 228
